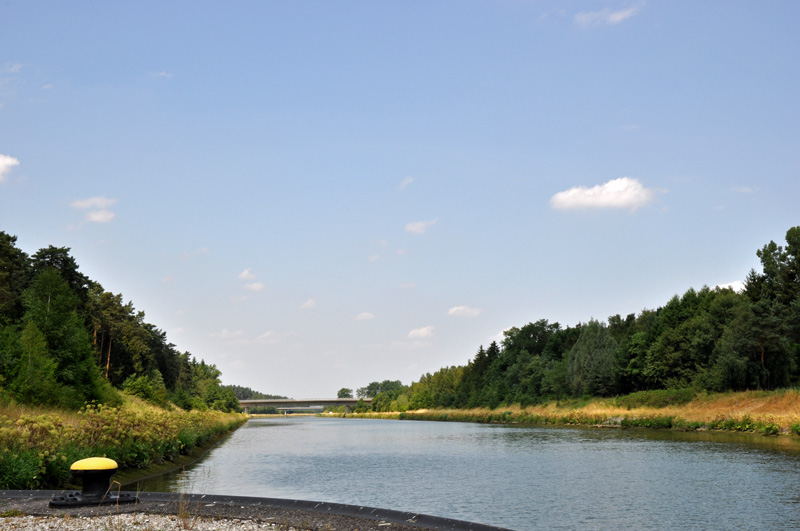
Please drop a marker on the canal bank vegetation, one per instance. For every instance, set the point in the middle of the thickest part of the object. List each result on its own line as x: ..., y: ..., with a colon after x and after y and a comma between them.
x: 764, y: 412
x: 66, y: 341
x: 83, y: 374
x: 38, y: 444
x: 648, y: 368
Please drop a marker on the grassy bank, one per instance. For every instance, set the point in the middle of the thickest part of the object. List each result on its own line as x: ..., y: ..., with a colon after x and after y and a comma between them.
x: 38, y: 446
x: 766, y: 412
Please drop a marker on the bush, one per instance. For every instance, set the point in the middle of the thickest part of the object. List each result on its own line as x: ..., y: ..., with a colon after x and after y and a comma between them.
x: 146, y: 389
x: 657, y: 398
x: 36, y: 451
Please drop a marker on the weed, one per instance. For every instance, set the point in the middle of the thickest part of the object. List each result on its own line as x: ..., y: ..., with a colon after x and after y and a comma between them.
x: 37, y: 450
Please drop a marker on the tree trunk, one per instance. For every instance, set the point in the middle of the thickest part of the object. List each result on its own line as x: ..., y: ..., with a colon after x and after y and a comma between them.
x: 108, y: 358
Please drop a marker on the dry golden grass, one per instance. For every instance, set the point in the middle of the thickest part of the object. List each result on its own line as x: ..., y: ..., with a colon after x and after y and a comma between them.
x: 779, y: 407
x: 760, y: 407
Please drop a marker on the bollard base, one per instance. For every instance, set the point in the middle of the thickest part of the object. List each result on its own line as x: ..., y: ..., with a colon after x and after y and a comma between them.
x: 76, y: 499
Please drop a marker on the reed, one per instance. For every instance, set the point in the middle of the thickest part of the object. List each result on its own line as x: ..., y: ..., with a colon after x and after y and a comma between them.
x: 766, y: 412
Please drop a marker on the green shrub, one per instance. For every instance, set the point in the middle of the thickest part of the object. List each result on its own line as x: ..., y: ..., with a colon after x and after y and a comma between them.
x: 20, y: 469
x: 37, y: 450
x: 657, y: 398
x: 770, y: 429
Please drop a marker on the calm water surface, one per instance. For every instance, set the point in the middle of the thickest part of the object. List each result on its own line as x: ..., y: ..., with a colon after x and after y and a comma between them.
x: 519, y: 478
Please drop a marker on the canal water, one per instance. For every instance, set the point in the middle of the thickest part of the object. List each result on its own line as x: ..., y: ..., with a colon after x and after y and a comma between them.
x: 515, y: 477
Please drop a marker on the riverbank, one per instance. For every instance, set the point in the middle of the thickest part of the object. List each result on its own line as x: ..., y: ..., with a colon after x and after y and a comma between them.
x: 24, y: 510
x: 765, y: 412
x: 39, y: 445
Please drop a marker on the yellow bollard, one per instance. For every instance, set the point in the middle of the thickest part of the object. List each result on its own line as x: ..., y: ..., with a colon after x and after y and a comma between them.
x: 95, y: 474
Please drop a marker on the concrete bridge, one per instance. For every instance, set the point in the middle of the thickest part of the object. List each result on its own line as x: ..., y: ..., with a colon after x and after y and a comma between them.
x: 284, y: 404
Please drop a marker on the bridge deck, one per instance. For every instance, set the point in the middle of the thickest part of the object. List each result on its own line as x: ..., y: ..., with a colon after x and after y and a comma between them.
x: 283, y: 403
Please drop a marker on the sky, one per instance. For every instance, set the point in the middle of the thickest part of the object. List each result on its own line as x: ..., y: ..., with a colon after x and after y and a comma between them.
x: 316, y: 195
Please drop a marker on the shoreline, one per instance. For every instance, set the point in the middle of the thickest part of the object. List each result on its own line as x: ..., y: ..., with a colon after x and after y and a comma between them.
x: 131, y: 476
x: 273, y: 513
x: 769, y: 413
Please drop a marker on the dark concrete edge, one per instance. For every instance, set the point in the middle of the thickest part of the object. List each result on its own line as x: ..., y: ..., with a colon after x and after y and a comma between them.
x: 422, y: 521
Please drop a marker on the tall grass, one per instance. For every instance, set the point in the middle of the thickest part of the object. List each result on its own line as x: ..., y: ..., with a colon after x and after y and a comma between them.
x: 37, y: 448
x: 765, y: 412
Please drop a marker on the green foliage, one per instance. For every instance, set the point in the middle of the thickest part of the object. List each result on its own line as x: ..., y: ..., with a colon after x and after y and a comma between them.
x: 64, y: 340
x: 706, y: 340
x: 648, y: 422
x: 245, y: 393
x: 344, y: 392
x: 361, y: 406
x: 36, y: 451
x: 656, y: 398
x: 392, y: 388
x: 592, y: 367
x: 144, y: 387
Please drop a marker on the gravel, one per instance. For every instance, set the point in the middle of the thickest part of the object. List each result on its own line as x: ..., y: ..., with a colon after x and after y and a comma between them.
x: 131, y: 522
x: 29, y: 510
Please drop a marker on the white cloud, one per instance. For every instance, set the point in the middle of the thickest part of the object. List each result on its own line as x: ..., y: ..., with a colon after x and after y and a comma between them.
x: 268, y: 336
x: 11, y: 68
x: 167, y: 279
x: 163, y: 73
x: 737, y: 286
x: 743, y: 190
x: 246, y: 275
x: 101, y: 213
x: 419, y: 227
x: 606, y: 16
x: 406, y: 182
x: 373, y: 258
x: 464, y: 311
x: 408, y: 285
x: 100, y: 216
x: 228, y: 334
x: 498, y: 338
x: 239, y: 299
x: 364, y: 316
x: 255, y: 286
x: 93, y: 202
x: 6, y: 163
x: 308, y: 305
x: 622, y: 193
x: 421, y: 333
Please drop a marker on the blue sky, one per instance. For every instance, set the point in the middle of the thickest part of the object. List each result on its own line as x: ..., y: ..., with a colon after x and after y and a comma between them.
x: 316, y: 195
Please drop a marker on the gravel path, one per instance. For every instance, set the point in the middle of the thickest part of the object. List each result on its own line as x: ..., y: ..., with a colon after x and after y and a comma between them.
x: 130, y: 522
x: 29, y: 510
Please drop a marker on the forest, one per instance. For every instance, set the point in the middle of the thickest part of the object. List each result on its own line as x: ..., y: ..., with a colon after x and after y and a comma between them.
x: 712, y: 340
x: 66, y: 341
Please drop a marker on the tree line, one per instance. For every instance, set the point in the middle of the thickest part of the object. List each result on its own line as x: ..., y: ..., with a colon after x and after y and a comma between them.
x: 711, y: 339
x: 65, y: 340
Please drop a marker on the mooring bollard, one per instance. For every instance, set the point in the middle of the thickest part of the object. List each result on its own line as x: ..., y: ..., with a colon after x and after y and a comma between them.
x: 95, y: 474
